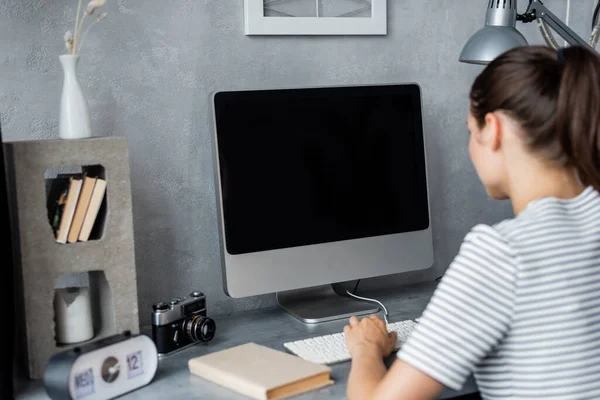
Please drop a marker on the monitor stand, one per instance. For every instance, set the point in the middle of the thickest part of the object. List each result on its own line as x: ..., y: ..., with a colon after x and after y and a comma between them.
x: 320, y: 304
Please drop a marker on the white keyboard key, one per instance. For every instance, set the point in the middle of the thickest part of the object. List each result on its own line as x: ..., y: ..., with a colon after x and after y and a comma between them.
x: 292, y: 347
x: 328, y: 338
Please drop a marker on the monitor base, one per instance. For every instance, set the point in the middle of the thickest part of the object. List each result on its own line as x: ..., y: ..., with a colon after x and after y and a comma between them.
x: 321, y: 304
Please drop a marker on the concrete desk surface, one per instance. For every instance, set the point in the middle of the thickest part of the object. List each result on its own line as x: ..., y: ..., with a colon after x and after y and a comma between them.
x: 270, y: 327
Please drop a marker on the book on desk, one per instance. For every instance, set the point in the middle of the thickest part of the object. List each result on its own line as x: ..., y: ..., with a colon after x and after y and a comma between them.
x: 260, y: 372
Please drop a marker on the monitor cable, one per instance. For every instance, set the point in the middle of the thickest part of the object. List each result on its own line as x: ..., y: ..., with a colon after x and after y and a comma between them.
x: 358, y: 281
x: 385, y: 315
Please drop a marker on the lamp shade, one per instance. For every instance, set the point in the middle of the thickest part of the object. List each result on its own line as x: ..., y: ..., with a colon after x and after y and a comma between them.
x: 497, y: 36
x: 489, y: 42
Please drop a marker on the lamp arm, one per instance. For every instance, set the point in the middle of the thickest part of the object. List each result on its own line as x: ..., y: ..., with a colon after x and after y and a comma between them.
x: 540, y: 11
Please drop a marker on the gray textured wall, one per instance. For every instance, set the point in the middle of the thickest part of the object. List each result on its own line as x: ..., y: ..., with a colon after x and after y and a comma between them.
x: 148, y: 71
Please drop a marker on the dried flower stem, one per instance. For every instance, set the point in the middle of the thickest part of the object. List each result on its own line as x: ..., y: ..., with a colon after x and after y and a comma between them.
x: 78, y: 32
x: 86, y: 32
x: 76, y: 23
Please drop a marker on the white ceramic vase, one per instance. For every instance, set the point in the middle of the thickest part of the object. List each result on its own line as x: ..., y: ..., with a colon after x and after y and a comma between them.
x: 74, y: 112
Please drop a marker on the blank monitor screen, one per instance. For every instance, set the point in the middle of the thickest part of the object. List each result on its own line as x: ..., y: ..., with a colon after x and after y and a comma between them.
x: 309, y: 166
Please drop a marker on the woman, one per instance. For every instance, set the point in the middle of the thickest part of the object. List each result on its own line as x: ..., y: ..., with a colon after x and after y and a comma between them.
x: 520, y: 304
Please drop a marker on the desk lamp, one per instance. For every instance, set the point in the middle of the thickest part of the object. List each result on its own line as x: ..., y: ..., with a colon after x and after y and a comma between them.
x: 499, y: 33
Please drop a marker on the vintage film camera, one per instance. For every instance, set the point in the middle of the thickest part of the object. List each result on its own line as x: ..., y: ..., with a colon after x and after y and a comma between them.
x: 180, y: 323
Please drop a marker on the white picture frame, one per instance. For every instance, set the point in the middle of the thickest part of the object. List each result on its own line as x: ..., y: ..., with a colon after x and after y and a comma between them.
x: 256, y: 23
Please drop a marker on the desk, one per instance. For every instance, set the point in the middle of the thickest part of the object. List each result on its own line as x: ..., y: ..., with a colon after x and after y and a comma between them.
x: 270, y: 327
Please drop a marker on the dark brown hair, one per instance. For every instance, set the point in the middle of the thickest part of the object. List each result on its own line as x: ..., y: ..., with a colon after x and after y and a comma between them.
x: 554, y: 96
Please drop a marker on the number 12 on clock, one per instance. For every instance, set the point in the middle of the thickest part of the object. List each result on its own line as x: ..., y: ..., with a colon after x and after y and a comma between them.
x: 134, y: 364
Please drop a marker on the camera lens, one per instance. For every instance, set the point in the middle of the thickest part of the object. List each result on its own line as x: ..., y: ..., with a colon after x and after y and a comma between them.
x: 200, y: 329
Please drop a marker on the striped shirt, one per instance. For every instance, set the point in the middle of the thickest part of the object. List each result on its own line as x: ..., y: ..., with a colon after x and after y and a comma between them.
x: 519, y: 307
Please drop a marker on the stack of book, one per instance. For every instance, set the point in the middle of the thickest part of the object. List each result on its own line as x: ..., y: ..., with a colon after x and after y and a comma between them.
x: 74, y: 201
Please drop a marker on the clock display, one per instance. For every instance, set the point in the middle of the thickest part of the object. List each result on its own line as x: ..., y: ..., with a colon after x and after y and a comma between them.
x: 135, y: 365
x: 84, y: 383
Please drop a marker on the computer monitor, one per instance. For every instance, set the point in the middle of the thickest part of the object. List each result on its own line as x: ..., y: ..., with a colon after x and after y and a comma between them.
x: 317, y: 186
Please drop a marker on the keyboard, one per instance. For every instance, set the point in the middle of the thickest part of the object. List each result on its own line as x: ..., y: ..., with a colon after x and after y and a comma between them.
x: 331, y: 349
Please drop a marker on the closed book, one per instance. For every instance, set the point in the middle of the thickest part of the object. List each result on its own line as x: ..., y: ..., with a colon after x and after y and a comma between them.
x: 69, y: 209
x: 261, y: 373
x: 83, y: 203
x: 92, y: 209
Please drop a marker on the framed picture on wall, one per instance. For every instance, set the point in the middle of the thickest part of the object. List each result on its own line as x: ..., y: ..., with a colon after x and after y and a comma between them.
x: 315, y: 17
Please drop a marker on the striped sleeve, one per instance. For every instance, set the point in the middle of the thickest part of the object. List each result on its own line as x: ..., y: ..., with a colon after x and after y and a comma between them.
x: 468, y: 314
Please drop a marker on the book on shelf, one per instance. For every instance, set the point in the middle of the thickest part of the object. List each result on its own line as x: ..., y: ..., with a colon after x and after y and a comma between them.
x: 92, y: 210
x: 83, y: 203
x: 66, y: 205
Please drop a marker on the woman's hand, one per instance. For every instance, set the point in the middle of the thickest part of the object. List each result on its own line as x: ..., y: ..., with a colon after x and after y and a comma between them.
x: 369, y: 335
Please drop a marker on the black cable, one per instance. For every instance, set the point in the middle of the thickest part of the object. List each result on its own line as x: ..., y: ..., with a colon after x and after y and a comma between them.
x: 358, y: 281
x: 596, y: 11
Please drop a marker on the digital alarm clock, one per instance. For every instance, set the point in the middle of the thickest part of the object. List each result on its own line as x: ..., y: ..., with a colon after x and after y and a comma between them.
x: 104, y: 369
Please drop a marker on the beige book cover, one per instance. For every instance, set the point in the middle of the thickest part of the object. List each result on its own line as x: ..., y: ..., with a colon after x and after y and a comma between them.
x: 82, y: 206
x: 69, y: 210
x: 92, y: 210
x: 260, y: 372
